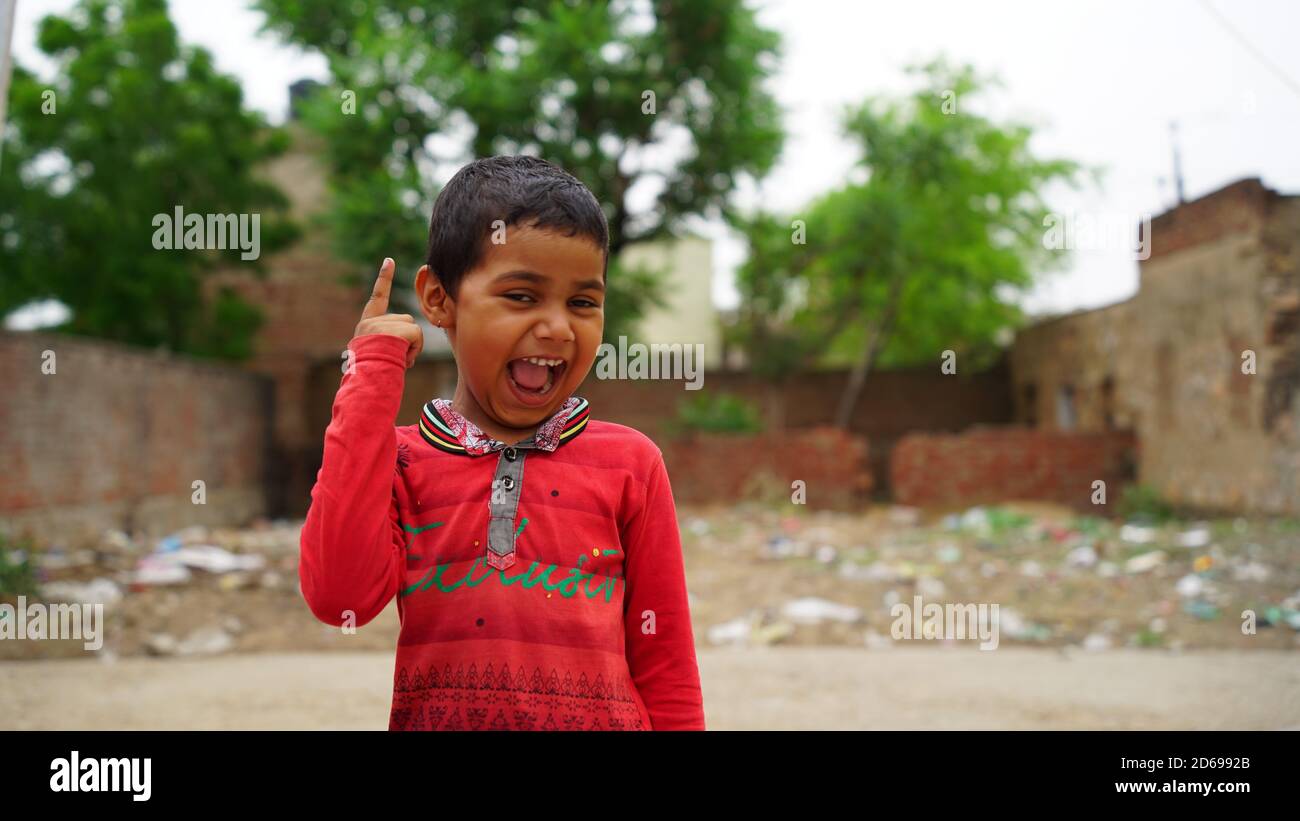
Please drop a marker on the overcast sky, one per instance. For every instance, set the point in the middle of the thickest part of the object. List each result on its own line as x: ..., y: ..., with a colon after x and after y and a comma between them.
x: 1102, y: 79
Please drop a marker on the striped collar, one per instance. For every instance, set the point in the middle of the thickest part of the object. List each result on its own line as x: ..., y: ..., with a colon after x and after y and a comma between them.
x: 448, y: 431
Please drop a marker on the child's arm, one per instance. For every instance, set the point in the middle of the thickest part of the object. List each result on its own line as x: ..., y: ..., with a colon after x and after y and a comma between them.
x: 662, y: 662
x: 351, y: 544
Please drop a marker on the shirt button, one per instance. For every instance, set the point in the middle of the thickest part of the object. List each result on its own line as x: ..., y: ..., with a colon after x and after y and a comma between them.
x: 508, y: 482
x: 511, y: 454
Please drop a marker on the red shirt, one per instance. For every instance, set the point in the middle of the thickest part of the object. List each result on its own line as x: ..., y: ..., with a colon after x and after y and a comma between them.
x: 587, y: 627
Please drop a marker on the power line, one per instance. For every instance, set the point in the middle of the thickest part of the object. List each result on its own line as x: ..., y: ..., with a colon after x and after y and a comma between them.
x: 1250, y: 47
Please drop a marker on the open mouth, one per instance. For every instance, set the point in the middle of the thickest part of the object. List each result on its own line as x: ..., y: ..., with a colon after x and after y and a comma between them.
x: 534, y: 378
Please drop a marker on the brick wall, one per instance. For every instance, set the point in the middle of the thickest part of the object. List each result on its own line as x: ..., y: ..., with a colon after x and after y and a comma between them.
x: 117, y: 435
x: 987, y: 465
x: 723, y: 469
x: 1235, y: 209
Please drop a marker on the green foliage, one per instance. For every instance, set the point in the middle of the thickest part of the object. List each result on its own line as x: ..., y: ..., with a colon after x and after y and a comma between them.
x: 1002, y: 521
x: 131, y: 125
x: 1146, y: 637
x: 1143, y: 503
x: 716, y: 413
x: 17, y: 577
x: 921, y: 252
x: 560, y: 80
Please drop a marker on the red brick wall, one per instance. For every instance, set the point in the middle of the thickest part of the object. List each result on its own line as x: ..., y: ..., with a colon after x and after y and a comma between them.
x: 893, y: 403
x: 722, y: 469
x: 117, y: 435
x: 1233, y: 209
x: 987, y: 465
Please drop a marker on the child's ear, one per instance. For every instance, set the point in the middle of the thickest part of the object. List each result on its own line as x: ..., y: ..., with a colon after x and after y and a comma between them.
x: 433, y: 299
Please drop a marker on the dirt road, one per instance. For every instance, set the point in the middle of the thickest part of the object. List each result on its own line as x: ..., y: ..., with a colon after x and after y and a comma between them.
x: 771, y: 688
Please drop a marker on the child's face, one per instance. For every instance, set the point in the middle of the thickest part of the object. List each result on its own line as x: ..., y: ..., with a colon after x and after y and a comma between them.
x: 539, y: 294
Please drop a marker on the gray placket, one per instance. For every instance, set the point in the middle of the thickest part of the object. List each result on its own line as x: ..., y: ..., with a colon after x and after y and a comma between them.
x: 507, y: 484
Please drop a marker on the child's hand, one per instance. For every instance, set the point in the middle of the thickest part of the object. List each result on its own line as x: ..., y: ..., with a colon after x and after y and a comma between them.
x: 375, y: 318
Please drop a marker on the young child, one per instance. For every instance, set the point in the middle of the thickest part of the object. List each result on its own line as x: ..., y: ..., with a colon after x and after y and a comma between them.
x: 533, y: 550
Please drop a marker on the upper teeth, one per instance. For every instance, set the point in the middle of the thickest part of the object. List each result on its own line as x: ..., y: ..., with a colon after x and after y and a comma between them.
x: 537, y: 360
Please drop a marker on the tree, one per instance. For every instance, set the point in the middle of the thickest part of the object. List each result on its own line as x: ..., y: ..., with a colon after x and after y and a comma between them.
x: 925, y: 254
x: 132, y: 125
x: 665, y: 108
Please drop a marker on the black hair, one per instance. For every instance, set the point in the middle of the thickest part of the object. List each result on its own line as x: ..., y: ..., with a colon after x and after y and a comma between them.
x: 518, y: 190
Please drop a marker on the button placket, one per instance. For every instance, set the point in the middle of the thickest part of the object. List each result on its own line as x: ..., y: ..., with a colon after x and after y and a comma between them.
x: 507, y: 485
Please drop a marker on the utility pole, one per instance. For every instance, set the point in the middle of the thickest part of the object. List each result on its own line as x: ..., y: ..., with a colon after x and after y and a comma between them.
x: 1178, y: 161
x: 7, y: 9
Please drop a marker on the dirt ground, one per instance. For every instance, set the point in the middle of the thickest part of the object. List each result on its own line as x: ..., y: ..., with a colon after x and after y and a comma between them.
x: 782, y: 688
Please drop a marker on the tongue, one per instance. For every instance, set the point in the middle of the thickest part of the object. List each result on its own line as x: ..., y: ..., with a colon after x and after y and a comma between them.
x: 528, y: 375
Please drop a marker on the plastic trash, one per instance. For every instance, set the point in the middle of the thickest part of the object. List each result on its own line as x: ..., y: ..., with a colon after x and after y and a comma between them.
x: 1083, y: 556
x: 1251, y: 572
x: 1196, y: 537
x: 205, y: 641
x: 168, y: 544
x: 735, y: 631
x: 1138, y: 534
x: 1204, y: 611
x: 1020, y: 628
x: 1190, y: 586
x: 1096, y: 642
x: 99, y: 591
x: 1031, y: 569
x: 977, y: 518
x: 161, y: 644
x: 230, y: 582
x: 812, y: 610
x: 774, y: 633
x: 154, y: 570
x: 217, y: 560
x: 1144, y: 562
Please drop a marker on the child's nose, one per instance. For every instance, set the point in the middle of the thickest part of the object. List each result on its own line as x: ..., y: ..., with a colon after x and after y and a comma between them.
x: 555, y: 324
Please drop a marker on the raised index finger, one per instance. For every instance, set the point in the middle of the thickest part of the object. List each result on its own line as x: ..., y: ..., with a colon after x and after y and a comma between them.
x: 377, y: 305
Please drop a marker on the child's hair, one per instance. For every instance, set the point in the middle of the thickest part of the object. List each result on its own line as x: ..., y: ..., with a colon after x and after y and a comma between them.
x: 518, y: 190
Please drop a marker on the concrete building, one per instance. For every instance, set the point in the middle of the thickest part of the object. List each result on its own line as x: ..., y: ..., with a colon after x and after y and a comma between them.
x: 689, y: 316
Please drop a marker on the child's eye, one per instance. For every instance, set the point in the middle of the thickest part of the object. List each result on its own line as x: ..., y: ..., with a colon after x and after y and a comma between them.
x: 518, y: 297
x: 585, y: 303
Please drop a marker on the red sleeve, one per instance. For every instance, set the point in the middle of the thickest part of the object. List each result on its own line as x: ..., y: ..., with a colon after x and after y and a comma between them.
x: 662, y: 662
x: 351, y: 544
